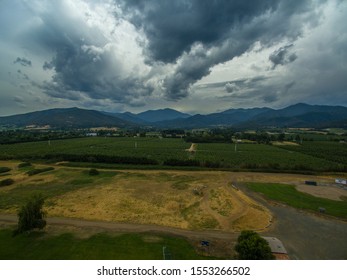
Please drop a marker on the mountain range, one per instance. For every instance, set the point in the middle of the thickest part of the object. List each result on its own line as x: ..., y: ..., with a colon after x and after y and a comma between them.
x: 151, y: 116
x: 63, y: 118
x: 298, y: 115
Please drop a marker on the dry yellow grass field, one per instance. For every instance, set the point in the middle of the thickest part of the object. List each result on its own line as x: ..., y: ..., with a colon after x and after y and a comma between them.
x: 199, y: 200
x: 181, y: 199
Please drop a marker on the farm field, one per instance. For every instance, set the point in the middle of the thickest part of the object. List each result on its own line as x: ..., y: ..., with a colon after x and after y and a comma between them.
x: 180, y: 199
x: 333, y: 151
x: 318, y: 157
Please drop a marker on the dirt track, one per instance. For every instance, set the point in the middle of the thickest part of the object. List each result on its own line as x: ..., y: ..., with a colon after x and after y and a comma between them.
x: 304, y: 235
x: 221, y: 243
x: 120, y: 227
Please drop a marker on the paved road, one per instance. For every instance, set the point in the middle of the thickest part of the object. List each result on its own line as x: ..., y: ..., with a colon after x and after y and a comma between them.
x: 305, y: 235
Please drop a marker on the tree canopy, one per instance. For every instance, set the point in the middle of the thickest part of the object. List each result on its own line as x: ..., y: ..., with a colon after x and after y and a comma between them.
x: 251, y: 246
x: 31, y: 215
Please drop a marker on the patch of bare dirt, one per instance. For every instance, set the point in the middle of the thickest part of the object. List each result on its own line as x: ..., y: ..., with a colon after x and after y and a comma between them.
x: 192, y: 148
x: 329, y: 192
x: 284, y: 143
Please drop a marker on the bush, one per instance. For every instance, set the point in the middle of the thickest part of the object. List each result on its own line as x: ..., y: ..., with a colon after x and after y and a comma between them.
x: 6, y: 182
x: 250, y: 246
x: 31, y: 215
x: 39, y: 170
x: 4, y: 169
x: 93, y: 172
x: 24, y: 164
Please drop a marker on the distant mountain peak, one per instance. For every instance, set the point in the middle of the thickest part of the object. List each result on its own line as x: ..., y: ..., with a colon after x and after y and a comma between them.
x: 297, y: 115
x: 161, y: 115
x: 64, y: 118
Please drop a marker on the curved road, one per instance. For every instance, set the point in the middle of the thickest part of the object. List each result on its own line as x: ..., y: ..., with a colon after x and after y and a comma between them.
x: 305, y: 235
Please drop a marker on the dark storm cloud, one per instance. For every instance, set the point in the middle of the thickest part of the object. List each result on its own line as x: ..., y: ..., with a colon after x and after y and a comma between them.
x: 270, y: 98
x: 282, y: 56
x: 221, y: 29
x: 23, y: 61
x: 189, y: 70
x: 172, y: 27
x: 288, y: 86
x: 85, y: 62
x: 48, y: 65
x: 22, y: 75
x: 181, y: 40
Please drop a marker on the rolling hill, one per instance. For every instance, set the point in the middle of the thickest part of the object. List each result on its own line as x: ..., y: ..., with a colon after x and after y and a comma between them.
x: 161, y: 115
x: 301, y: 115
x: 64, y: 118
x: 298, y: 115
x: 151, y: 116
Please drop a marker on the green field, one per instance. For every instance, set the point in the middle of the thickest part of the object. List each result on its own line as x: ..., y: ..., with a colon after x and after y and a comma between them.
x: 332, y: 151
x: 289, y: 195
x: 42, y: 246
x: 329, y: 156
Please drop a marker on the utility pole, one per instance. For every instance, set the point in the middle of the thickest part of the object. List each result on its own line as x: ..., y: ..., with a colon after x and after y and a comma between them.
x: 164, y: 254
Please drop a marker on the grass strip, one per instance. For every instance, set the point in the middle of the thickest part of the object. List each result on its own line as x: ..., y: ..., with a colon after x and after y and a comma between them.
x: 289, y: 195
x: 102, y: 246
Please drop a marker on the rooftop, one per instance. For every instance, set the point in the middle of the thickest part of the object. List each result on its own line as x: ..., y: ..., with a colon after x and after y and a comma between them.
x: 276, y: 245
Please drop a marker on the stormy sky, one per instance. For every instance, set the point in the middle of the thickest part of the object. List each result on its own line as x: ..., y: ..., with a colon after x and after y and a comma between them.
x: 191, y: 55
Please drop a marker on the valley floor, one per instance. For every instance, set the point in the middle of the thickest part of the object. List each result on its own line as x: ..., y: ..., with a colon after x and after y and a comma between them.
x: 198, y: 205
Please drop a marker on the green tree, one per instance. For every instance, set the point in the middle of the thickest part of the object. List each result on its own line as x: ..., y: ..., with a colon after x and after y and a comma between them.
x: 31, y: 215
x: 281, y: 137
x: 250, y: 246
x: 93, y: 172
